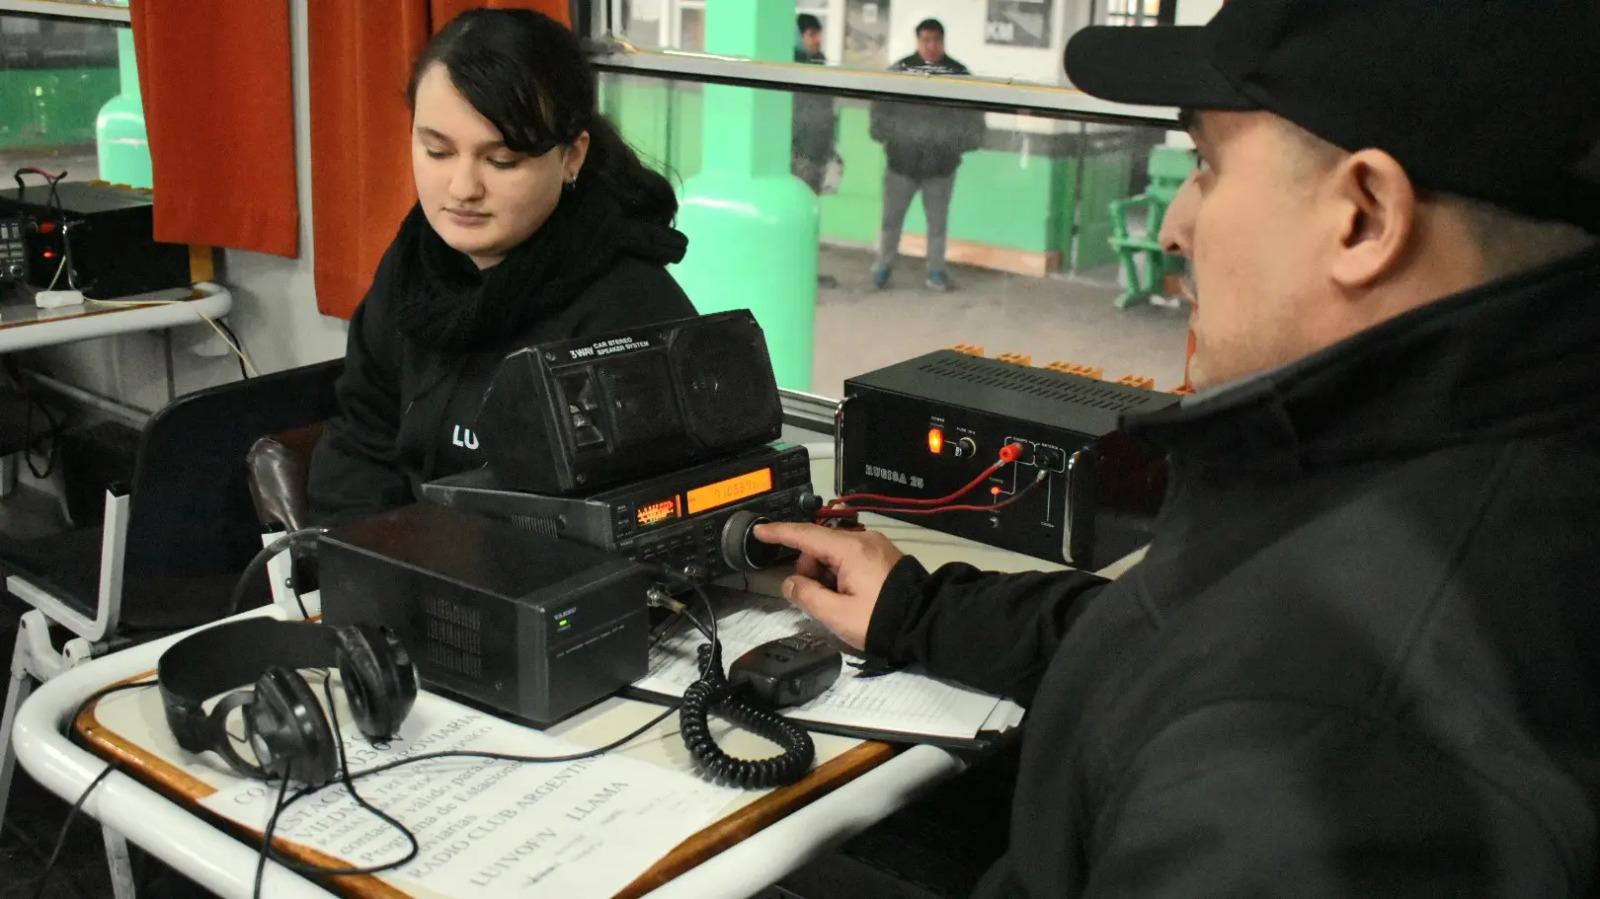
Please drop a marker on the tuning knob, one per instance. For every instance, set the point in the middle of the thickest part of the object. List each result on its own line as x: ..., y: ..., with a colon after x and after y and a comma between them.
x: 740, y: 548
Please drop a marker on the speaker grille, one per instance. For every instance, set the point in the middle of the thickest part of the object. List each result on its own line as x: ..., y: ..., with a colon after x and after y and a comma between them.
x: 454, y: 635
x: 1050, y: 385
x: 639, y: 389
x: 725, y: 374
x: 538, y: 524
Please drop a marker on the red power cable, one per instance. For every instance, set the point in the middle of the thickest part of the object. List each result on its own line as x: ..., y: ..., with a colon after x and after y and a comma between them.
x: 823, y: 514
x: 1011, y: 452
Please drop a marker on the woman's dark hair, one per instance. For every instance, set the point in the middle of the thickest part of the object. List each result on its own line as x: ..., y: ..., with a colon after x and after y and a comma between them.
x: 526, y: 74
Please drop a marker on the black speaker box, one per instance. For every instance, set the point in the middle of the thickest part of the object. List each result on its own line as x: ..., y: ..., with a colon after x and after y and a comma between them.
x: 574, y: 415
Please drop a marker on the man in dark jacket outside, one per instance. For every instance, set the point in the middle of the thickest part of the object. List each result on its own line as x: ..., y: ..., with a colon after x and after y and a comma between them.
x: 924, y: 145
x: 1362, y: 654
x: 811, y: 145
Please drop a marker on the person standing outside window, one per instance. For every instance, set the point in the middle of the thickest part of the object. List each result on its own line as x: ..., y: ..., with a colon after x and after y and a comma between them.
x: 815, y: 129
x: 924, y: 148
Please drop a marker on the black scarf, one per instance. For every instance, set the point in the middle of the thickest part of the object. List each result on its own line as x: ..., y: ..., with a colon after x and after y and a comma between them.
x: 447, y: 303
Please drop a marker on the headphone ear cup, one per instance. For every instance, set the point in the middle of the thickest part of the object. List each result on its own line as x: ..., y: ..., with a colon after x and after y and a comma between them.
x: 287, y: 729
x: 380, y: 682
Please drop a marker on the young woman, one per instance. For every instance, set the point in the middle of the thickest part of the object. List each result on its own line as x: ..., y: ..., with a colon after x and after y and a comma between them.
x: 534, y: 222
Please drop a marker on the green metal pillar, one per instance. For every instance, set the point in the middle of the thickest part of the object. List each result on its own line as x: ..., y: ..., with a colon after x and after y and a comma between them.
x: 120, y: 136
x: 752, y: 226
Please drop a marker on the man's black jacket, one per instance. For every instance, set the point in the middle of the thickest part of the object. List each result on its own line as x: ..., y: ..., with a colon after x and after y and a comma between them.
x: 1362, y: 656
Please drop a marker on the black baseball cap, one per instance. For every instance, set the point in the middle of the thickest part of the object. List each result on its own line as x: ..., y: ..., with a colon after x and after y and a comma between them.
x: 1498, y: 100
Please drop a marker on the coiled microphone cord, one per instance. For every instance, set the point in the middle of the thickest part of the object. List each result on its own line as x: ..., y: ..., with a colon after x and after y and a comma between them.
x: 712, y: 692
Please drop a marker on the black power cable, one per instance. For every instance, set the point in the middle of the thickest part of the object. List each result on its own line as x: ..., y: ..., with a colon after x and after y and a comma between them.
x: 51, y: 454
x: 54, y: 199
x: 31, y: 401
x: 26, y: 841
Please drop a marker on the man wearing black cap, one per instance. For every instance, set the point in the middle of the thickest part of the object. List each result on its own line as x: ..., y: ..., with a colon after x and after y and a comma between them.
x: 1362, y: 655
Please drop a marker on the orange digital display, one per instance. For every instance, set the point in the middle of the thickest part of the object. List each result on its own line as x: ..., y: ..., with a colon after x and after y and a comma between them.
x: 655, y: 513
x: 729, y: 491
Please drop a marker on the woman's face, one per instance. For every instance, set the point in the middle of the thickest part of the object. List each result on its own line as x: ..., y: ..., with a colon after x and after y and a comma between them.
x: 480, y: 196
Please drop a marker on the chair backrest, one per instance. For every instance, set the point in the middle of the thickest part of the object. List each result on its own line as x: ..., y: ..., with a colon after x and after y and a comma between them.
x: 192, y: 527
x: 1169, y: 168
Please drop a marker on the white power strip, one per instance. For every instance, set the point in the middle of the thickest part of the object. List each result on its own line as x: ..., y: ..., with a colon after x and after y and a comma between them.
x: 55, y: 299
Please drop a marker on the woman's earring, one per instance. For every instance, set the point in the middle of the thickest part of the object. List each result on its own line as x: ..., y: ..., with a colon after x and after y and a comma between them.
x: 572, y: 183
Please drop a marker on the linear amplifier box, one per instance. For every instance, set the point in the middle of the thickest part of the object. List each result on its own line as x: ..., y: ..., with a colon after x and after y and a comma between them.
x: 925, y: 427
x: 111, y: 229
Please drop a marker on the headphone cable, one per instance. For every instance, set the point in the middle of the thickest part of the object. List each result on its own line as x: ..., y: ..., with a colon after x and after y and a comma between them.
x: 347, y: 778
x: 72, y: 815
x: 259, y: 562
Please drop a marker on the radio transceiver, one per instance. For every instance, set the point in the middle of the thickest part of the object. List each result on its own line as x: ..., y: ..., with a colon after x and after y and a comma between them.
x: 683, y: 520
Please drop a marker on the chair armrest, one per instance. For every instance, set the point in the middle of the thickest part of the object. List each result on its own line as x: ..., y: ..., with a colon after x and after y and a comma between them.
x: 1119, y: 213
x: 278, y: 467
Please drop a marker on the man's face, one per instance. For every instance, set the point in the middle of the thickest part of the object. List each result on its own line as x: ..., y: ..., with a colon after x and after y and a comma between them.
x: 812, y: 40
x: 930, y: 45
x: 1243, y: 221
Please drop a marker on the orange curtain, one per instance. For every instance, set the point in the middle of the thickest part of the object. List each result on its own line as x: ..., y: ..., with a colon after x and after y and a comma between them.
x: 361, y: 183
x: 218, y: 108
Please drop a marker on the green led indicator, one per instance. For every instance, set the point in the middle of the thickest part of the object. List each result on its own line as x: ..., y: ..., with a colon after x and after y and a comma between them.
x: 563, y: 622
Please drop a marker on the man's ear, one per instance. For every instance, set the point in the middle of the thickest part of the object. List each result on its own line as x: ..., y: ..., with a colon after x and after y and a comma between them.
x: 1377, y: 217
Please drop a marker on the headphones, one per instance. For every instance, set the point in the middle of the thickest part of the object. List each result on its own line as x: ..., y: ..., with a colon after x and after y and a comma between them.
x: 283, y: 722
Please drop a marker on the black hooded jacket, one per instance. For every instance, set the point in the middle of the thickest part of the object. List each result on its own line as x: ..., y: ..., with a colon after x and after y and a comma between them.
x: 1362, y: 656
x: 922, y: 141
x: 815, y: 126
x: 426, y: 340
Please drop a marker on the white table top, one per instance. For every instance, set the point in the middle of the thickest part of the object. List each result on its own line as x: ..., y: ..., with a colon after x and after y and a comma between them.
x: 226, y: 866
x: 137, y: 717
x: 24, y: 326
